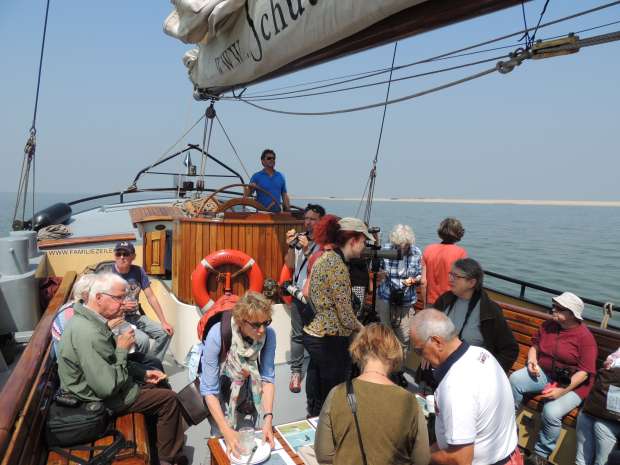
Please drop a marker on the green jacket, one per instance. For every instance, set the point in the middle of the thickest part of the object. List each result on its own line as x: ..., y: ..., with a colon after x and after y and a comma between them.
x: 91, y: 367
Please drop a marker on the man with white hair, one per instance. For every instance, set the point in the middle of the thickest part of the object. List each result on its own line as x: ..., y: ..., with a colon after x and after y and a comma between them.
x: 93, y: 366
x: 396, y: 295
x: 475, y: 418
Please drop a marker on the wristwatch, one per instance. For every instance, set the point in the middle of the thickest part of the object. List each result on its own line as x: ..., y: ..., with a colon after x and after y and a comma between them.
x: 269, y: 414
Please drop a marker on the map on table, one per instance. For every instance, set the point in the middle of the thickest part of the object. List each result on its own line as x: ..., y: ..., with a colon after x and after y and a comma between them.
x: 297, y: 434
x: 279, y: 457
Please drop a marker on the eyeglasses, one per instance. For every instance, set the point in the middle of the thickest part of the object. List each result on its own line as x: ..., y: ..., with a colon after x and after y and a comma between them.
x: 270, y: 158
x: 453, y: 275
x: 122, y: 254
x: 419, y: 350
x: 117, y: 298
x: 258, y: 324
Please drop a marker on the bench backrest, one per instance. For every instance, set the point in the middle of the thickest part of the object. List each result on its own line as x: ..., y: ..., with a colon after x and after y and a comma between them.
x: 26, y: 396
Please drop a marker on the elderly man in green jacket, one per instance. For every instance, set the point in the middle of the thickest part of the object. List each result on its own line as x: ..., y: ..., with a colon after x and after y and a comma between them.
x: 93, y: 366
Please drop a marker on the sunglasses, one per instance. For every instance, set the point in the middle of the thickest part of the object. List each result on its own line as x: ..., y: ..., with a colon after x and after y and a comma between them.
x: 258, y: 324
x: 418, y: 350
x: 270, y: 158
x: 122, y: 254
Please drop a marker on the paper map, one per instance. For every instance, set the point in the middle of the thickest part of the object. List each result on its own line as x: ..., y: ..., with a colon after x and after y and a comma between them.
x: 297, y: 434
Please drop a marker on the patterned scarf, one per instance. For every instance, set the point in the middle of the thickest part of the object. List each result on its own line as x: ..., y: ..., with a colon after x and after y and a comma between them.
x: 241, y: 362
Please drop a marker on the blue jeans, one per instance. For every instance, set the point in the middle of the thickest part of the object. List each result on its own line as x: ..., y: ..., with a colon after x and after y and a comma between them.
x: 148, y: 328
x: 596, y: 438
x: 523, y: 383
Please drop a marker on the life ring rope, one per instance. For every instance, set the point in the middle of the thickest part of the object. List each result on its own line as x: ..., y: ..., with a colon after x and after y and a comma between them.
x: 223, y: 257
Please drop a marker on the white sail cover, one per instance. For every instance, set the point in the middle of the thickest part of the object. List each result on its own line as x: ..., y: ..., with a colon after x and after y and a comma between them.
x: 242, y: 40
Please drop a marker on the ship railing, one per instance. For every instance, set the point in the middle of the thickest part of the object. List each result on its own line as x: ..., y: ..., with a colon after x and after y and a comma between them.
x: 610, y: 315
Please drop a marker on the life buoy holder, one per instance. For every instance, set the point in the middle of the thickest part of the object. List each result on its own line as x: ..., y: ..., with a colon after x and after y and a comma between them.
x: 219, y: 258
x: 286, y: 274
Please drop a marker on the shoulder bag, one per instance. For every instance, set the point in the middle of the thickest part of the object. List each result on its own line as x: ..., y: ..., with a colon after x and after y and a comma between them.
x: 352, y: 401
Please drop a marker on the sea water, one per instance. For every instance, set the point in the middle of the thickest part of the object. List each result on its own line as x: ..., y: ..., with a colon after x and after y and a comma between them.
x: 568, y: 248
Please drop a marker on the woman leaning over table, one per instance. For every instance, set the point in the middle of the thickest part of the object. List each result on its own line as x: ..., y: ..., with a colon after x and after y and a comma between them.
x: 392, y: 426
x: 326, y: 337
x: 561, y: 364
x: 252, y: 341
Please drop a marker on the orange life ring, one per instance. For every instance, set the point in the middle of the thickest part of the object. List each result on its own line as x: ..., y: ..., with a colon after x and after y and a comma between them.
x: 218, y: 258
x: 286, y: 274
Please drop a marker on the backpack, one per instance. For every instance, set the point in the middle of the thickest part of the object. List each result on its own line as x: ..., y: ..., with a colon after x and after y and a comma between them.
x: 221, y: 312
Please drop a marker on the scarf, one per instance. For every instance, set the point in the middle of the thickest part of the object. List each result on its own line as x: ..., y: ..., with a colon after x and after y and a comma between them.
x: 241, y: 363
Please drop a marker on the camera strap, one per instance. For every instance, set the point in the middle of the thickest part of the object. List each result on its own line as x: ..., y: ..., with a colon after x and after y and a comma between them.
x: 304, y: 262
x: 352, y: 401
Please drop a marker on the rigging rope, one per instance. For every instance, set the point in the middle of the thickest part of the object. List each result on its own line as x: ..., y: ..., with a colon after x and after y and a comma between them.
x: 449, y: 55
x: 371, y: 84
x: 373, y: 170
x: 31, y: 144
x: 233, y: 147
x: 206, y: 141
x: 54, y: 231
x: 503, y: 67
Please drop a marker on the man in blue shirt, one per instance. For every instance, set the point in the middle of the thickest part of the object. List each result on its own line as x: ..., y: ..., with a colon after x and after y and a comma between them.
x: 272, y: 181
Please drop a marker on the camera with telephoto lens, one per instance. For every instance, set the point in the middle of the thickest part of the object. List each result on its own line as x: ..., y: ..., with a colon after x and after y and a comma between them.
x: 373, y: 251
x: 288, y: 288
x: 563, y: 376
x: 295, y: 242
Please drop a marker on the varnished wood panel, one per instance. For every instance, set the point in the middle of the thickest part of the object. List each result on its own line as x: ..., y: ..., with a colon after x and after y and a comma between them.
x: 262, y: 237
x: 155, y: 252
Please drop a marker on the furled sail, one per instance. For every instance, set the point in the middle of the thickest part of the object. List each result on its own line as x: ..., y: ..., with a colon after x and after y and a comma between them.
x: 241, y: 40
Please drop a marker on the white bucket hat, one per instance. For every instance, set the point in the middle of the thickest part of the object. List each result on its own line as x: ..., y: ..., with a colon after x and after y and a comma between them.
x: 571, y: 302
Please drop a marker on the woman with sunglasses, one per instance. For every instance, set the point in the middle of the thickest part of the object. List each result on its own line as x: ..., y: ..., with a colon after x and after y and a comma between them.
x: 326, y: 337
x: 238, y: 385
x: 561, y: 363
x: 478, y: 320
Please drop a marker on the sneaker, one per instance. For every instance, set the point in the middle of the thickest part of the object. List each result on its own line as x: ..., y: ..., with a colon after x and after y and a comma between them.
x: 295, y: 383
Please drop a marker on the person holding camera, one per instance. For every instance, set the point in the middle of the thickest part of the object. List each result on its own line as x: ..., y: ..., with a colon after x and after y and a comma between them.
x: 326, y: 337
x: 397, y: 291
x: 301, y: 247
x: 562, y: 365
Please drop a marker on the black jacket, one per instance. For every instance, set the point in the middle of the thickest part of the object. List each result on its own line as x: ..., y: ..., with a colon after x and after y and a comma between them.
x: 496, y: 333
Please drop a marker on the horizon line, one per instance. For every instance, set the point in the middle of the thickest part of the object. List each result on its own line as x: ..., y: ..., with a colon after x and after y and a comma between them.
x: 555, y: 203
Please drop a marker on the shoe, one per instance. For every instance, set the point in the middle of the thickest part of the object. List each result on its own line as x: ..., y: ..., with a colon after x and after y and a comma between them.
x: 535, y: 459
x: 295, y: 383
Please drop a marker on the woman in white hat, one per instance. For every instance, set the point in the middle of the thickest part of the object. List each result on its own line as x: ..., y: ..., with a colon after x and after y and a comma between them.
x: 561, y: 364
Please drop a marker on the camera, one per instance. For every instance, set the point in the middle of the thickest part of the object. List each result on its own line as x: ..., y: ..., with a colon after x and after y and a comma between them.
x: 373, y: 251
x: 288, y: 288
x: 295, y: 242
x: 563, y: 376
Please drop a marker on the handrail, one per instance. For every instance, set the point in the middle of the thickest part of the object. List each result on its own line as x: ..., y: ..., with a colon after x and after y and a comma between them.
x: 18, y: 386
x: 525, y: 285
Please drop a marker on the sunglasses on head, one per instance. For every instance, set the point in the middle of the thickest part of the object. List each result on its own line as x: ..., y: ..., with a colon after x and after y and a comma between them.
x: 258, y: 324
x: 122, y: 254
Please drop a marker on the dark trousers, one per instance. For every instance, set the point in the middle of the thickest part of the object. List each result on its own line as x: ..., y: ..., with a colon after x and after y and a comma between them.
x: 162, y: 405
x: 330, y: 365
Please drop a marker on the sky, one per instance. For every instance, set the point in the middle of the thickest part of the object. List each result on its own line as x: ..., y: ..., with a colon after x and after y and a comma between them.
x: 115, y: 95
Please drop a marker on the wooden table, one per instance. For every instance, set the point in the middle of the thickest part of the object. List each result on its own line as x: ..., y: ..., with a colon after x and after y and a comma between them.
x: 219, y: 457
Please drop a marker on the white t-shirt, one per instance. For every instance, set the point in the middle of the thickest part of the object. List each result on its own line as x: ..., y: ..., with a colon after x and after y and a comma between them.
x: 474, y: 404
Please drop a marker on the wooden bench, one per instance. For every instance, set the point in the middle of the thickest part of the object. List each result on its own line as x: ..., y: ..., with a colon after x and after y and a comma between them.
x: 26, y: 397
x: 525, y: 323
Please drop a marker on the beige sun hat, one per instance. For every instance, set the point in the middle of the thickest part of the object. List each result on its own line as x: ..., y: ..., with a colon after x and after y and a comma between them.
x: 571, y: 302
x: 356, y: 225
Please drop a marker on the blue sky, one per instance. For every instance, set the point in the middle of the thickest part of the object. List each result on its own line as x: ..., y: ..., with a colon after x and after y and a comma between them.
x: 115, y: 95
